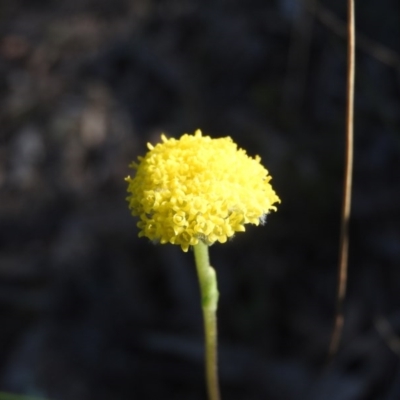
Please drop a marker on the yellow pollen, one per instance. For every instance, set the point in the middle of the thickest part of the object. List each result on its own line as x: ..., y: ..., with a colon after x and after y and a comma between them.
x: 198, y: 188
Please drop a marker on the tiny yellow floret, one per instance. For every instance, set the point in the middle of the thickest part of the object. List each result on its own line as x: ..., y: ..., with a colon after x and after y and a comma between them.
x: 198, y: 188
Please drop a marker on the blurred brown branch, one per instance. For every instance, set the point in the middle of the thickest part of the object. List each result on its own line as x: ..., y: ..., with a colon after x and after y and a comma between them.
x: 364, y: 43
x: 388, y: 334
x: 347, y: 183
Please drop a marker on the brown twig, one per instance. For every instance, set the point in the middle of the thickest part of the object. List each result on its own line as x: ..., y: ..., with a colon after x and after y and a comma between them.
x: 344, y: 230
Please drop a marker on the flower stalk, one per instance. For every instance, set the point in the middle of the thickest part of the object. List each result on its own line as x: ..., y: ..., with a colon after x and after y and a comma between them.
x: 209, y: 302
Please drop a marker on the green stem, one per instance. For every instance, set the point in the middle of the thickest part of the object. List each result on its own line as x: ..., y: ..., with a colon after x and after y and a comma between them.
x: 209, y: 301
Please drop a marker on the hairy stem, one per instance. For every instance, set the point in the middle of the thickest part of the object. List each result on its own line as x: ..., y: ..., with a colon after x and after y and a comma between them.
x: 209, y: 301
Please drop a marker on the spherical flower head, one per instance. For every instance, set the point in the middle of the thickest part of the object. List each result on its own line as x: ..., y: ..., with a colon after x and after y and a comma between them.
x: 198, y: 188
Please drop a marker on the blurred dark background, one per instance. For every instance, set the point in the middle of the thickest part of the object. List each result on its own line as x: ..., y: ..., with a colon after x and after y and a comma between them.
x: 88, y: 310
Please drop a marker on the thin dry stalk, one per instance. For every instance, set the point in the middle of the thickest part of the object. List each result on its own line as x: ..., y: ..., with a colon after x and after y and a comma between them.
x: 344, y: 230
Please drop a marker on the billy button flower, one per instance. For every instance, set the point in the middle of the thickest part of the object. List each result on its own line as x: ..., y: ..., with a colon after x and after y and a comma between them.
x: 196, y: 191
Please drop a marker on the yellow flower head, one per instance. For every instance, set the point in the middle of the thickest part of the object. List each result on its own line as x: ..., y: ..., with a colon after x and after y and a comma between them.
x: 198, y: 188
